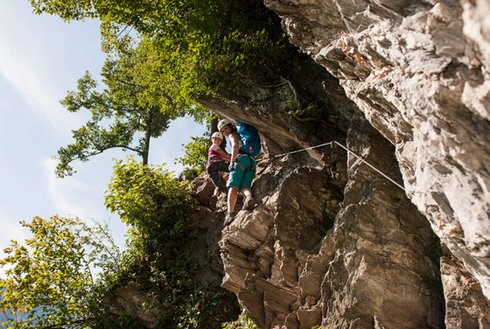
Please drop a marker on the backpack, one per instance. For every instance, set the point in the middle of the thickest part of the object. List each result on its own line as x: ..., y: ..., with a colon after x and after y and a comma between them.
x: 250, y: 138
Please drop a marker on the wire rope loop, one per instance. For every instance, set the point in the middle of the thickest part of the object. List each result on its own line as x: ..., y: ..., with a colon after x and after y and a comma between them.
x: 332, y: 143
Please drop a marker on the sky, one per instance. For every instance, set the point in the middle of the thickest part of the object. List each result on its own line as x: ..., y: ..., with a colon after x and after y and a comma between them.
x: 41, y: 58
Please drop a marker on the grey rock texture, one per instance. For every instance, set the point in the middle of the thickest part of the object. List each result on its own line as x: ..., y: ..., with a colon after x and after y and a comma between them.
x: 466, y: 307
x: 331, y: 242
x: 419, y: 71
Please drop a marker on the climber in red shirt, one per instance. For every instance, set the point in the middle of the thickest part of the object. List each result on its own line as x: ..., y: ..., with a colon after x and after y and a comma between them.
x: 218, y: 161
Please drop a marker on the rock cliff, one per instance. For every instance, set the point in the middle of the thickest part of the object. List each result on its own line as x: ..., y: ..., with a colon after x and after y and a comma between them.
x: 404, y: 86
x: 420, y: 74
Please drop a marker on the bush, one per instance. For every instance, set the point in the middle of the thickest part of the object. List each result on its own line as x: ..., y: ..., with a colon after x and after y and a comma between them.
x: 150, y: 199
x: 195, y: 156
x: 243, y: 322
x: 155, y: 204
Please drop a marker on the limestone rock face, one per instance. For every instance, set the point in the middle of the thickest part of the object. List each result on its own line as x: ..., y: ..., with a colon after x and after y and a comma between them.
x: 352, y: 239
x: 333, y: 243
x: 387, y: 225
x: 466, y: 307
x: 419, y: 71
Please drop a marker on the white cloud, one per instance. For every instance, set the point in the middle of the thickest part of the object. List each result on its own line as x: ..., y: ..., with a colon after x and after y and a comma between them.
x: 82, y: 195
x: 11, y: 230
x: 37, y: 60
x: 61, y: 190
x: 24, y: 78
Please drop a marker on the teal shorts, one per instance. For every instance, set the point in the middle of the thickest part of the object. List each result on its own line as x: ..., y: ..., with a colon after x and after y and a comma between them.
x: 243, y: 173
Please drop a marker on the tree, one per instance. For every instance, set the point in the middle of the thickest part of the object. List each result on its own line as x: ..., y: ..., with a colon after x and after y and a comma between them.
x: 149, y: 199
x: 210, y: 44
x: 50, y: 280
x: 195, y: 154
x: 188, y: 50
x: 130, y: 104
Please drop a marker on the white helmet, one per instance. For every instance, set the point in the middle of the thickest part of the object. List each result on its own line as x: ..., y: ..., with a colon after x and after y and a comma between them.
x: 217, y: 135
x: 223, y: 123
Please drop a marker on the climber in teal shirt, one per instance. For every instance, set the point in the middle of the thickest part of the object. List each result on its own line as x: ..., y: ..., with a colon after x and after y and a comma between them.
x: 242, y: 171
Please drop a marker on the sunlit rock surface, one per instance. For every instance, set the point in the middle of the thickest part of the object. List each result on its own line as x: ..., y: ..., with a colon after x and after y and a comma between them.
x: 332, y: 242
x: 419, y: 71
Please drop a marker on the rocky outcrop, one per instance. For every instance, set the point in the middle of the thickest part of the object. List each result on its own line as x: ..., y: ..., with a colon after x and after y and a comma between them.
x: 333, y: 243
x: 419, y: 71
x: 466, y: 307
x: 132, y: 300
x: 404, y: 86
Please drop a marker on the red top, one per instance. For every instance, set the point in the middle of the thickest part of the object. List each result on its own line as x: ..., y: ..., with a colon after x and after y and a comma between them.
x: 213, y: 155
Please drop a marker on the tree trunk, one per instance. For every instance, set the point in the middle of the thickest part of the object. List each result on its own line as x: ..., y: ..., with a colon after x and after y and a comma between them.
x: 146, y: 149
x: 214, y: 125
x: 146, y: 143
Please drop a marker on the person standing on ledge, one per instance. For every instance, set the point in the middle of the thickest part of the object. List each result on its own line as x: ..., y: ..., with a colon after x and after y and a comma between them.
x: 242, y: 170
x: 218, y: 161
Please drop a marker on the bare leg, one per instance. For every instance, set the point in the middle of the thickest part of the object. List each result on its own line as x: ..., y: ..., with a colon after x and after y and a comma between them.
x: 232, y: 197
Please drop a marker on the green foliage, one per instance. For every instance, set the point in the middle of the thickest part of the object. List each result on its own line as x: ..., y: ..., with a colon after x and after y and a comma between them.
x: 148, y: 198
x: 132, y: 103
x: 307, y: 111
x: 195, y: 155
x: 204, y: 45
x: 155, y: 204
x: 50, y: 279
x: 243, y: 322
x: 198, y: 309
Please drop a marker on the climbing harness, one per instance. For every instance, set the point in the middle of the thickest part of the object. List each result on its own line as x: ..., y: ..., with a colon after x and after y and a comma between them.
x: 251, y: 167
x: 332, y: 143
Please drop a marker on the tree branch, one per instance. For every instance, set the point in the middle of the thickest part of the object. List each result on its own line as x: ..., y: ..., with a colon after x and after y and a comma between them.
x: 62, y: 326
x: 82, y: 158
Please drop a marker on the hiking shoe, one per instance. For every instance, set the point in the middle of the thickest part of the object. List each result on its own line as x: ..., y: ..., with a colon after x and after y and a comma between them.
x: 229, y: 218
x: 249, y: 203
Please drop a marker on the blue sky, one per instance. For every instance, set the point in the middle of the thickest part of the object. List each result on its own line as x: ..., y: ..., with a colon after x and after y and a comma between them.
x: 41, y: 58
